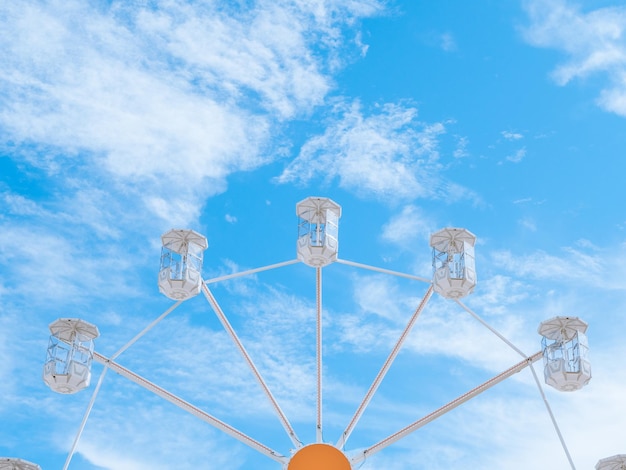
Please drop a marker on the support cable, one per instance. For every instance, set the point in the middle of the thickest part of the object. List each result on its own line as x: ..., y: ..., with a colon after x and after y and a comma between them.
x: 490, y: 328
x: 556, y: 426
x: 386, y: 271
x: 84, y: 421
x: 231, y: 332
x: 383, y: 371
x: 146, y: 329
x: 250, y: 271
x: 543, y: 395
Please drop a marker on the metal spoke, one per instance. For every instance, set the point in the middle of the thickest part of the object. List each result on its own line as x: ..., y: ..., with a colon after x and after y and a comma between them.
x: 444, y: 409
x: 197, y: 412
x: 318, y: 297
x: 383, y: 371
x: 231, y: 332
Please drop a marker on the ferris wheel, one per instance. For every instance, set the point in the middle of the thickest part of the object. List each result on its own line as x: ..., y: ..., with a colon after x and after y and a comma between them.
x: 564, y: 347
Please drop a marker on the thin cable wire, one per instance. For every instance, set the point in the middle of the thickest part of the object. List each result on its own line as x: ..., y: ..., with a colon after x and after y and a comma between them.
x: 145, y: 330
x: 250, y: 271
x: 84, y: 421
x: 556, y: 426
x: 381, y: 270
x: 490, y: 328
x: 543, y: 395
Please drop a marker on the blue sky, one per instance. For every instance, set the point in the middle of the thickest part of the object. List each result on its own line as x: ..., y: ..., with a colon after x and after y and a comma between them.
x: 122, y: 120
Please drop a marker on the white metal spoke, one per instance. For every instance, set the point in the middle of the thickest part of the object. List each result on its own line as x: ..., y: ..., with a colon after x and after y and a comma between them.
x: 250, y: 271
x: 444, y: 409
x: 385, y: 271
x: 231, y: 332
x: 383, y: 371
x: 197, y: 412
x: 318, y: 298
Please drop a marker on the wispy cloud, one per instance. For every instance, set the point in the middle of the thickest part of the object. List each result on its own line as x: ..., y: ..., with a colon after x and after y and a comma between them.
x: 444, y: 41
x: 404, y: 228
x: 156, y: 429
x: 155, y: 100
x: 593, y: 41
x: 447, y: 42
x: 461, y: 149
x: 386, y: 152
x: 518, y: 156
x: 570, y: 264
x: 508, y: 135
x: 528, y: 223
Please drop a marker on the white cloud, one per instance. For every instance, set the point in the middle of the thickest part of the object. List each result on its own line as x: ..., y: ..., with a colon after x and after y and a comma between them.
x: 461, y: 149
x: 407, y: 227
x: 573, y: 265
x: 528, y: 223
x: 594, y: 41
x: 17, y: 204
x: 156, y: 430
x: 448, y: 43
x: 497, y: 294
x: 388, y: 153
x: 56, y: 267
x: 508, y: 135
x: 161, y: 103
x: 378, y: 295
x: 359, y: 42
x: 518, y: 156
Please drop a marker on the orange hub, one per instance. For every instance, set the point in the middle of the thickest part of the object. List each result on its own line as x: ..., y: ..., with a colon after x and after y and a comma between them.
x: 319, y: 457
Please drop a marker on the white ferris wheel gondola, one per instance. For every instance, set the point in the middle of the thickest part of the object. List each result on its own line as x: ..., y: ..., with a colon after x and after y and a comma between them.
x: 70, y: 352
x: 616, y: 462
x: 180, y: 274
x: 565, y: 353
x: 454, y: 265
x: 318, y: 231
x: 17, y: 464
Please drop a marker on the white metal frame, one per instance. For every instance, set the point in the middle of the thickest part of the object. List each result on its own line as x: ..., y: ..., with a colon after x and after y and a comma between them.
x: 356, y: 459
